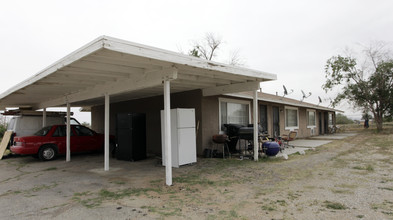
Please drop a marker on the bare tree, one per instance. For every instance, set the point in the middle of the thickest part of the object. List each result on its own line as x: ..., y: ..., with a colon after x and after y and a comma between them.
x: 235, y: 59
x: 206, y: 48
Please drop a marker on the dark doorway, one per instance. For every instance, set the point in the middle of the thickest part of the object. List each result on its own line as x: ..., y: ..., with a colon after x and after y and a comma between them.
x: 326, y: 122
x: 320, y: 122
x: 263, y: 117
x: 276, y: 122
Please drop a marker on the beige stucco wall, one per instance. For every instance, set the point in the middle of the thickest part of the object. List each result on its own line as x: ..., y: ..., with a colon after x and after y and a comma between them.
x: 207, y: 115
x: 210, y: 118
x: 303, y: 131
x: 151, y: 107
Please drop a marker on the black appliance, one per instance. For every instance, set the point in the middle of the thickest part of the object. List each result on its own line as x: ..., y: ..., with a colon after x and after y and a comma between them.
x: 247, y: 133
x: 131, y: 136
x: 232, y: 131
x: 236, y: 132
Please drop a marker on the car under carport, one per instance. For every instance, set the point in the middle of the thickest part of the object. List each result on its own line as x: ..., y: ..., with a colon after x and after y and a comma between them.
x: 109, y: 70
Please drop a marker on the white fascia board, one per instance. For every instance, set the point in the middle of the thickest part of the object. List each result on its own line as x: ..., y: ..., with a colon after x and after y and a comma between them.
x: 288, y: 103
x: 238, y: 87
x: 91, y: 47
x: 173, y: 57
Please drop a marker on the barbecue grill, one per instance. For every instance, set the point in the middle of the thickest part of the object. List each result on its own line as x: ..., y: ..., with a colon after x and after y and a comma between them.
x: 236, y: 132
x: 232, y: 131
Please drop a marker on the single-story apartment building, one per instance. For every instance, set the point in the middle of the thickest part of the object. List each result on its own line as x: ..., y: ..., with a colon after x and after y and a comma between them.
x: 112, y: 76
x: 277, y: 115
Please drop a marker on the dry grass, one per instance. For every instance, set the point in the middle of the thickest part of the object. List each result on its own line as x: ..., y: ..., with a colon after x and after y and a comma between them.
x: 276, y: 186
x: 323, y: 184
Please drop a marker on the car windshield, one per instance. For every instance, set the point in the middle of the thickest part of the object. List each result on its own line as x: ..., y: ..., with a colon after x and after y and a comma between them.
x: 44, y: 131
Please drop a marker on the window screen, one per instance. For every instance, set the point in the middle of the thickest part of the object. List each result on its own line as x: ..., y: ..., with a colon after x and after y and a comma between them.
x: 310, y: 118
x: 291, y: 118
x: 11, y: 124
x: 330, y: 119
x: 234, y: 113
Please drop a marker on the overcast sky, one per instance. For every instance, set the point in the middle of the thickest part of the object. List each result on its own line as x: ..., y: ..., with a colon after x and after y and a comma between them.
x: 292, y: 39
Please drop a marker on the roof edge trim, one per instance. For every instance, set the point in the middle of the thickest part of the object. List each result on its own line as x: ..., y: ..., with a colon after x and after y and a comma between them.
x: 287, y: 103
x: 87, y: 49
x: 124, y: 46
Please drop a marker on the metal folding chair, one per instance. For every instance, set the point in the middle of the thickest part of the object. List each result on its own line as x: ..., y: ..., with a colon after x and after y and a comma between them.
x: 289, y: 137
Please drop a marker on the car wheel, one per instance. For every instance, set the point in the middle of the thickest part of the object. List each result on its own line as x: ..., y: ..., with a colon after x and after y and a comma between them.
x: 47, y: 152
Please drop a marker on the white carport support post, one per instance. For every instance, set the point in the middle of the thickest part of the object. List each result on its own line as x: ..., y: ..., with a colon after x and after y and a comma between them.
x: 167, y: 134
x: 44, y: 117
x: 255, y: 122
x: 106, y: 166
x: 68, y: 134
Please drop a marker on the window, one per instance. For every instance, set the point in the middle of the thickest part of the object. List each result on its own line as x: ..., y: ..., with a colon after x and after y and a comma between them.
x: 60, y: 132
x: 11, y: 124
x: 311, y: 120
x: 291, y: 118
x: 73, y: 121
x: 330, y: 119
x: 83, y: 131
x: 43, y: 132
x: 263, y: 116
x: 234, y: 112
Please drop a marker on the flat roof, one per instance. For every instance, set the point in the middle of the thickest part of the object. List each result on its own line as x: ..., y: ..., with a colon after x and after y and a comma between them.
x: 283, y: 100
x: 125, y: 70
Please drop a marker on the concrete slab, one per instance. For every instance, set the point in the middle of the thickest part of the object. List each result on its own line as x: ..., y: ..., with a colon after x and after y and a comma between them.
x: 308, y: 143
x: 289, y: 151
x: 346, y: 134
x: 337, y: 136
x: 302, y: 145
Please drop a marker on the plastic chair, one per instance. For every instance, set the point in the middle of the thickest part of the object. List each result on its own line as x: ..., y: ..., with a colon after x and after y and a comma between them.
x: 289, y: 137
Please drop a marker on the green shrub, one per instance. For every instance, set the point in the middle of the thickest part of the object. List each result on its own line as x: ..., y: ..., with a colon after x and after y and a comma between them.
x: 3, y: 129
x: 342, y: 119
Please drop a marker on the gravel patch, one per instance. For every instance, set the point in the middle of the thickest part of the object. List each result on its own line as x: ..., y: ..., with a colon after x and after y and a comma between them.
x: 349, y: 178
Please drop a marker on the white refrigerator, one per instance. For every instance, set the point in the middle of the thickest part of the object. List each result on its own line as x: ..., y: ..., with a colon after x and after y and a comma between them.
x: 183, y: 136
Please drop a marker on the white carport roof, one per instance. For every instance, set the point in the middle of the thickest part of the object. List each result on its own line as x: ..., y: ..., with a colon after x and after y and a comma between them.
x: 126, y: 70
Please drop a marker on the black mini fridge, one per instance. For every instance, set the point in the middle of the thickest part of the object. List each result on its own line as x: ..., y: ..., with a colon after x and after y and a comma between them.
x: 131, y: 136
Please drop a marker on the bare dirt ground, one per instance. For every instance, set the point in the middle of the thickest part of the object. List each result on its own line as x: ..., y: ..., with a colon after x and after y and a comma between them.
x: 346, y: 179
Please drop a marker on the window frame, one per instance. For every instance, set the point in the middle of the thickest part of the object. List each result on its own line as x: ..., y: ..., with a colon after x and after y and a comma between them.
x: 46, y: 130
x: 315, y: 118
x: 235, y: 101
x: 285, y: 118
x: 330, y: 122
x: 58, y: 128
x: 79, y: 128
